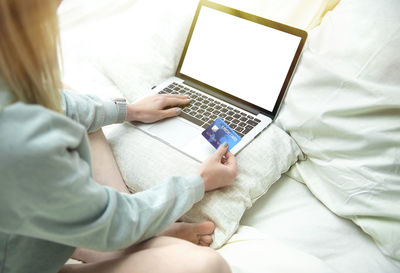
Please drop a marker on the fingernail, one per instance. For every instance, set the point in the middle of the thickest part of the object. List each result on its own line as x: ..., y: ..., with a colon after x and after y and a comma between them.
x: 178, y: 111
x: 225, y: 144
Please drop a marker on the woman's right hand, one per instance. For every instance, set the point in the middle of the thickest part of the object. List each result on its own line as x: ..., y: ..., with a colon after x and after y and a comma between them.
x: 219, y: 170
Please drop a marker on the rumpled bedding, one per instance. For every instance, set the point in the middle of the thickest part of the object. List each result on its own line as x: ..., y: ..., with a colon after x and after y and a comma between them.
x: 343, y: 109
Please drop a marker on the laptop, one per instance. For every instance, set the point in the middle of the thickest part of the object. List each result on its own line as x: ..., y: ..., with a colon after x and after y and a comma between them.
x: 234, y: 66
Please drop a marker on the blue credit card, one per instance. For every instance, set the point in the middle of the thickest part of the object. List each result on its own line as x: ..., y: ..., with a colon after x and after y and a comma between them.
x: 219, y: 132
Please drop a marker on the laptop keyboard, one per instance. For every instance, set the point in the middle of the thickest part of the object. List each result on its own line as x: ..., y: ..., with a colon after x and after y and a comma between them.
x: 204, y: 110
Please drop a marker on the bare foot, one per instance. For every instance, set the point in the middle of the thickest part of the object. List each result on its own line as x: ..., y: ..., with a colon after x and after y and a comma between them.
x: 197, y: 233
x: 91, y: 256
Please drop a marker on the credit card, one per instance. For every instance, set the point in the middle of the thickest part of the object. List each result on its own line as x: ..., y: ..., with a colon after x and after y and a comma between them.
x: 219, y: 132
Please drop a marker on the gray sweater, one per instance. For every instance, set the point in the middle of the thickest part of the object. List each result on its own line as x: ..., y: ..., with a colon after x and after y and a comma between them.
x: 49, y: 203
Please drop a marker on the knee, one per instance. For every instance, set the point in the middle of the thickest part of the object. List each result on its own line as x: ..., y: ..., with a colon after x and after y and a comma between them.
x: 192, y: 258
x: 211, y: 261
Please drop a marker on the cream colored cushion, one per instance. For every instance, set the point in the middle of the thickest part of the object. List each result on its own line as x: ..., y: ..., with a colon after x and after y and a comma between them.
x: 145, y: 161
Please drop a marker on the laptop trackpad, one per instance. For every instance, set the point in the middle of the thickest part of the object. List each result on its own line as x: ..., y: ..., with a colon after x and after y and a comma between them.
x: 175, y: 131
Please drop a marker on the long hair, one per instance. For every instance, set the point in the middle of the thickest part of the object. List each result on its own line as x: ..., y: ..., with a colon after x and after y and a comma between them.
x: 29, y: 51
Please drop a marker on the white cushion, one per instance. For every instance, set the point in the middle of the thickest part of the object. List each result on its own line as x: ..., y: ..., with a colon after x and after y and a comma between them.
x: 145, y: 161
x: 343, y: 109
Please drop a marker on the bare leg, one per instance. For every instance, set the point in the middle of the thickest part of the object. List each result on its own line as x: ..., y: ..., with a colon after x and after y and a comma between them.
x: 106, y: 172
x: 160, y: 254
x: 105, y: 169
x: 199, y: 233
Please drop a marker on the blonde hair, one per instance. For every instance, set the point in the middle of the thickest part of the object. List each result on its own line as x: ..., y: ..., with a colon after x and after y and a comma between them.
x: 29, y: 51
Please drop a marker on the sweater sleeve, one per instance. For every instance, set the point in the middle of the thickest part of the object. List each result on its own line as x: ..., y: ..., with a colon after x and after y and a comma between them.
x: 47, y: 191
x: 89, y: 110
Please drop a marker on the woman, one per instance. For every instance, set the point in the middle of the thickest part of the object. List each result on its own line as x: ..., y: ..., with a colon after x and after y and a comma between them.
x: 50, y: 206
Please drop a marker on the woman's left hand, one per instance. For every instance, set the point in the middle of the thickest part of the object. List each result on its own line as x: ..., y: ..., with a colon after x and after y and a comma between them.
x: 156, y: 107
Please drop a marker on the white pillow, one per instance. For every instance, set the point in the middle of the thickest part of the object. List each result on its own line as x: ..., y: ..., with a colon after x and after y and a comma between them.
x: 343, y: 109
x: 145, y: 161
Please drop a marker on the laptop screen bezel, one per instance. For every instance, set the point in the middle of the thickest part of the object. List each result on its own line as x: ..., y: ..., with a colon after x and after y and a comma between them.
x: 224, y: 95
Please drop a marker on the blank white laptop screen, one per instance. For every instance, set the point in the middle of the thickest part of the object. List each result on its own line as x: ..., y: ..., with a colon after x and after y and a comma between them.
x: 242, y: 58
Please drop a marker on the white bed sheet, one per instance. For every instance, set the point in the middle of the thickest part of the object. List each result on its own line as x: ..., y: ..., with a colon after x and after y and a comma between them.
x: 290, y: 214
x: 251, y: 251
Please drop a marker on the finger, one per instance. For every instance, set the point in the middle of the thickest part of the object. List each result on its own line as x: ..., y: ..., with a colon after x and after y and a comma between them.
x: 221, y: 151
x: 172, y: 112
x: 174, y: 101
x: 230, y: 159
x: 175, y: 96
x: 223, y: 160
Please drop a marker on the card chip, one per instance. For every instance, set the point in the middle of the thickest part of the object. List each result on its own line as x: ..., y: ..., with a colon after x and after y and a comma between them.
x: 214, y: 128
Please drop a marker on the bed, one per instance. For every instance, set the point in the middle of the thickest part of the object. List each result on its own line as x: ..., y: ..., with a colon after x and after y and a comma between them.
x: 337, y: 208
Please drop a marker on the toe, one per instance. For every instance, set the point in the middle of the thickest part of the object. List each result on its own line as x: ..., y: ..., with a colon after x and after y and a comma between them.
x: 205, y: 240
x: 205, y: 228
